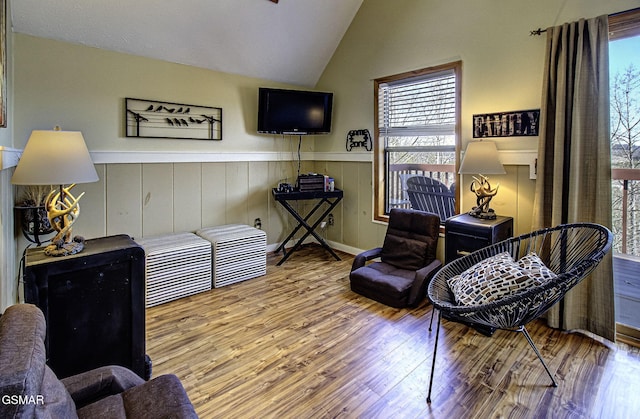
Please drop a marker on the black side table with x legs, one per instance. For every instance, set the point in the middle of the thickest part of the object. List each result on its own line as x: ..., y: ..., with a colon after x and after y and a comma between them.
x: 330, y: 197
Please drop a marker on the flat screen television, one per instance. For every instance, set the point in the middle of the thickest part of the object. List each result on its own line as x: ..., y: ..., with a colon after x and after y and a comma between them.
x: 298, y: 112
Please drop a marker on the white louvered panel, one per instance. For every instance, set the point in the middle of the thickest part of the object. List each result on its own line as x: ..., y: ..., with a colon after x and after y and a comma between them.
x: 197, y: 263
x: 177, y: 265
x: 239, y: 253
x: 237, y: 272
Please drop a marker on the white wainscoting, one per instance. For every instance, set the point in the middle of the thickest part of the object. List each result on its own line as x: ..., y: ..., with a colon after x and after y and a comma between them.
x: 8, y: 258
x: 145, y: 193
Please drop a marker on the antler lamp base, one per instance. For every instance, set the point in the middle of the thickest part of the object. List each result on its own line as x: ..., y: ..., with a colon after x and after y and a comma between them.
x: 482, y: 188
x: 62, y: 211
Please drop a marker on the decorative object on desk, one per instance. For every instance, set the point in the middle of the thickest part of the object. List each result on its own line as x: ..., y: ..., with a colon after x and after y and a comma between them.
x: 285, y: 187
x: 311, y: 182
x: 152, y: 119
x: 482, y: 157
x: 34, y: 222
x: 507, y: 124
x: 329, y: 184
x: 364, y: 142
x: 60, y: 158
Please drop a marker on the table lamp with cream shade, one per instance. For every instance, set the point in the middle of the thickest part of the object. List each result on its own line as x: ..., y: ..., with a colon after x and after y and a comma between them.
x: 481, y: 158
x: 57, y: 158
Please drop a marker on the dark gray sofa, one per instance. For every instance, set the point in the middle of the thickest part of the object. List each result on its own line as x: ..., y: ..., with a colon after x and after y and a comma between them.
x: 30, y: 389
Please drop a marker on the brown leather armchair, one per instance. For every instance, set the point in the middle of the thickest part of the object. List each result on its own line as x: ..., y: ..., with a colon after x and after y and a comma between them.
x: 407, y: 260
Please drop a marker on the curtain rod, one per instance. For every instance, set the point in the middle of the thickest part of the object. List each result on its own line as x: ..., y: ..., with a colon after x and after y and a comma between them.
x: 540, y: 31
x: 625, y: 11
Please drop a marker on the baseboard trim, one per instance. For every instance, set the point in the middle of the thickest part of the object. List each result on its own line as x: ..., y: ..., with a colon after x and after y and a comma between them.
x: 271, y: 248
x: 628, y: 335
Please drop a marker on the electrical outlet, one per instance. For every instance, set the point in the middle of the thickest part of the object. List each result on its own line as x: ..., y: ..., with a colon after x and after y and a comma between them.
x: 257, y: 223
x: 330, y: 219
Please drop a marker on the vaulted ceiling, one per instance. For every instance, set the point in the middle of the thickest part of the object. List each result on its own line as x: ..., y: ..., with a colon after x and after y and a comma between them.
x: 289, y: 41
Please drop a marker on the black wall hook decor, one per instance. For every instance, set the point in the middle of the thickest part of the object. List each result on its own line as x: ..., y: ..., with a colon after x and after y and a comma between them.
x: 365, y: 140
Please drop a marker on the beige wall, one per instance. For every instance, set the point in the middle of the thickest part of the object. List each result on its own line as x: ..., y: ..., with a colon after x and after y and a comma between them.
x: 502, y: 63
x: 152, y: 186
x: 83, y: 88
x: 501, y: 71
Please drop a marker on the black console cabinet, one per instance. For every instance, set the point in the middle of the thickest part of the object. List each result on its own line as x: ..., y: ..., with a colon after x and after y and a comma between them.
x: 465, y: 233
x: 93, y: 303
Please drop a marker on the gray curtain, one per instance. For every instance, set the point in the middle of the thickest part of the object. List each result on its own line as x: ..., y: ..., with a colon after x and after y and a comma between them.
x: 574, y: 160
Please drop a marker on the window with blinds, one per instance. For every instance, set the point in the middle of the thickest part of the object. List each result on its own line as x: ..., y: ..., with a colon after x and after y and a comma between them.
x: 417, y: 120
x: 422, y: 107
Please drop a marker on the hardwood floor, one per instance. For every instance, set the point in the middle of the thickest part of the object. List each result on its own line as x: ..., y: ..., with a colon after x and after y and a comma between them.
x: 297, y: 343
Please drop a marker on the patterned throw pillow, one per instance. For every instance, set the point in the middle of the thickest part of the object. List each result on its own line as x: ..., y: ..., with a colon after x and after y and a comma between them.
x: 492, y: 279
x: 536, y: 267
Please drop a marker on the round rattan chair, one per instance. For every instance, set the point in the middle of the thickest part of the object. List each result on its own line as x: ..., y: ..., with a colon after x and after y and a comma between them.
x: 571, y: 251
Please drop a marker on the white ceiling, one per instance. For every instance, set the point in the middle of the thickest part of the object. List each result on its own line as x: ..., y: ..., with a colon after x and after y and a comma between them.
x: 289, y: 42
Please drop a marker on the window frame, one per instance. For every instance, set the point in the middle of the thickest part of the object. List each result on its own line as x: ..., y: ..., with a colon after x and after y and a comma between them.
x: 625, y: 24
x: 379, y: 175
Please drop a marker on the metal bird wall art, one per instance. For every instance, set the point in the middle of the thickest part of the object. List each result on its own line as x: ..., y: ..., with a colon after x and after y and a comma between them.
x: 153, y: 119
